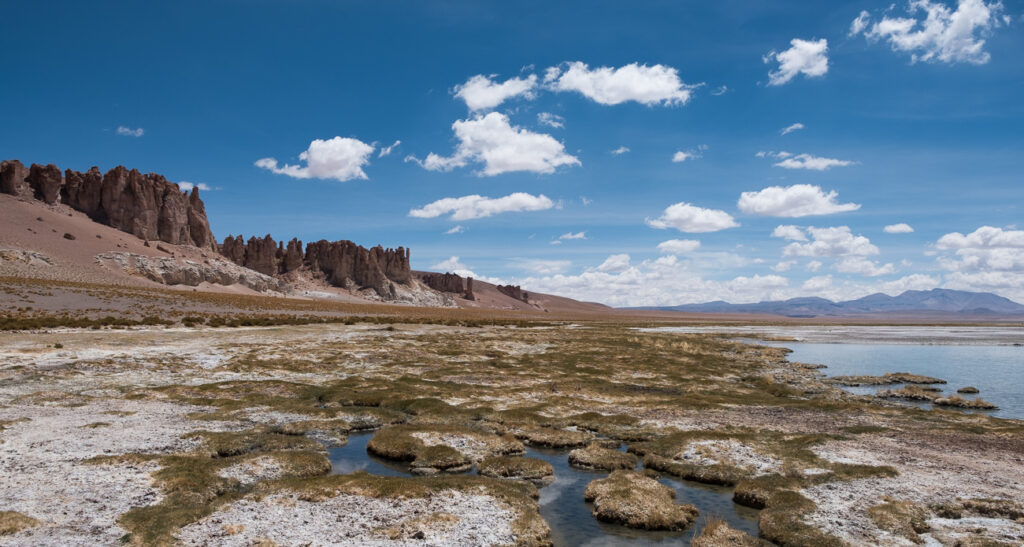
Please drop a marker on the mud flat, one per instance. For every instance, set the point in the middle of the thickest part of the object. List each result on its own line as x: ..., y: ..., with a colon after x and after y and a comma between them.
x: 163, y: 435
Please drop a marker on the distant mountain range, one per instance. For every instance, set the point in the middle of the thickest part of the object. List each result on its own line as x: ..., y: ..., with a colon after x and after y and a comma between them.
x: 934, y: 301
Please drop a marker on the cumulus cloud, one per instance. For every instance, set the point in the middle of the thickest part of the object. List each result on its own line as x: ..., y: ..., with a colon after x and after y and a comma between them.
x: 615, y: 264
x: 457, y: 229
x: 649, y: 85
x: 798, y: 200
x: 783, y: 266
x: 679, y: 246
x: 387, y: 150
x: 901, y: 228
x: 831, y: 242
x: 809, y: 58
x: 501, y: 147
x: 813, y: 266
x: 690, y: 218
x: 863, y: 266
x: 572, y: 235
x: 476, y: 206
x: 340, y: 158
x: 482, y: 93
x: 454, y: 266
x: 789, y: 231
x: 188, y: 186
x: 933, y: 32
x: 129, y: 132
x: 620, y: 151
x: 987, y: 259
x: 550, y: 120
x: 791, y: 128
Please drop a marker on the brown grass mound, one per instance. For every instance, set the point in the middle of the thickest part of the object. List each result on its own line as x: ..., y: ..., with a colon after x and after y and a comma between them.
x: 634, y: 500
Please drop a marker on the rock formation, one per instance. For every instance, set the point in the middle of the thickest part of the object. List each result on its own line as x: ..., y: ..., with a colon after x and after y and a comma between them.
x: 343, y: 263
x: 147, y: 206
x: 449, y: 282
x: 515, y: 292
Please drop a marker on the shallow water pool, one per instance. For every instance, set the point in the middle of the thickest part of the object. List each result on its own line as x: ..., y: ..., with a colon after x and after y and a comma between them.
x: 561, y: 502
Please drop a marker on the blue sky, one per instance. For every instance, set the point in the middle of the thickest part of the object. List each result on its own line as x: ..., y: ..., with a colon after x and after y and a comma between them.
x: 909, y: 114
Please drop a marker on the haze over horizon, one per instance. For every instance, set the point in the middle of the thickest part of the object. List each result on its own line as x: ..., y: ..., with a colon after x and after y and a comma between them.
x: 659, y: 154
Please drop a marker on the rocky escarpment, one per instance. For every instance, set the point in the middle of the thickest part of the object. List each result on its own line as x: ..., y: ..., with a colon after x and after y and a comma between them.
x: 171, y: 271
x: 147, y: 206
x: 449, y: 282
x: 514, y: 291
x: 342, y: 263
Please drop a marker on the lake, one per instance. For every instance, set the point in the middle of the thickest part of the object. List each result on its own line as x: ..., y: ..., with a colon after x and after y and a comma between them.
x: 988, y: 358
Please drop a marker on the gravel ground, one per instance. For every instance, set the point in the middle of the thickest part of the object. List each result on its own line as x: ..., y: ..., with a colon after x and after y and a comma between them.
x: 447, y: 518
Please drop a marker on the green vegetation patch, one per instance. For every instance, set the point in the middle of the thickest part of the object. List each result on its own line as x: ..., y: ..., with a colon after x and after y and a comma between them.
x: 631, y: 499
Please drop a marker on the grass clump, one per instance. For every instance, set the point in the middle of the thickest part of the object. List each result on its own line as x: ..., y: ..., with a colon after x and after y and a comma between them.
x: 12, y: 522
x: 956, y: 401
x: 517, y: 467
x: 781, y: 522
x: 902, y: 518
x: 554, y: 438
x: 968, y: 389
x: 718, y: 533
x: 595, y: 456
x: 429, y: 446
x: 636, y: 501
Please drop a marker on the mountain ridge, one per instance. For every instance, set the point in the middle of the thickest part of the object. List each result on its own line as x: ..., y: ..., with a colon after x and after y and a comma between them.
x: 914, y: 301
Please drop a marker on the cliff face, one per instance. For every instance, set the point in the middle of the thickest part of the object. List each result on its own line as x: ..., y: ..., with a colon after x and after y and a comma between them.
x: 146, y: 206
x: 515, y: 291
x: 342, y: 262
x: 449, y: 282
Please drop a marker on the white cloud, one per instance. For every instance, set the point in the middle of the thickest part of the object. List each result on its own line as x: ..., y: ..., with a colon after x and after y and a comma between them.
x: 620, y: 151
x: 901, y: 228
x: 482, y: 93
x: 721, y: 90
x: 188, y: 186
x: 690, y: 218
x: 550, y: 120
x: 791, y: 128
x: 454, y: 266
x: 457, y: 229
x: 585, y: 200
x: 476, y: 206
x: 129, y: 132
x: 934, y: 32
x: 615, y: 264
x: 862, y: 266
x: 831, y: 242
x: 542, y: 267
x: 809, y: 58
x: 684, y: 155
x: 340, y: 158
x: 679, y: 246
x: 387, y: 150
x: 813, y: 266
x: 987, y: 259
x: 571, y: 235
x: 818, y: 283
x: 649, y: 85
x: 783, y: 266
x: 807, y: 161
x: 790, y: 232
x: 501, y: 147
x: 798, y: 200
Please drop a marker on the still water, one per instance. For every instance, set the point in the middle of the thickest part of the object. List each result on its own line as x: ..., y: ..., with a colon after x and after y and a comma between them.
x: 562, y: 505
x: 988, y: 358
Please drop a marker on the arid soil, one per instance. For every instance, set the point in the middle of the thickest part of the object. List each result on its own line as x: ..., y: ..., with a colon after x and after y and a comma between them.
x: 205, y: 435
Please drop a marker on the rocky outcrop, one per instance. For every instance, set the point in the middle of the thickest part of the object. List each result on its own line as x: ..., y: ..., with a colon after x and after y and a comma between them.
x: 147, y: 206
x: 449, y: 282
x: 346, y: 264
x: 343, y: 263
x: 12, y: 178
x: 45, y: 182
x: 170, y: 271
x: 514, y: 291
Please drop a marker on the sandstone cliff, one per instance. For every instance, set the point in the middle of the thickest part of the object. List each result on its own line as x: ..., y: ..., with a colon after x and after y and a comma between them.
x: 343, y: 263
x: 515, y: 291
x: 147, y: 206
x: 449, y: 282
